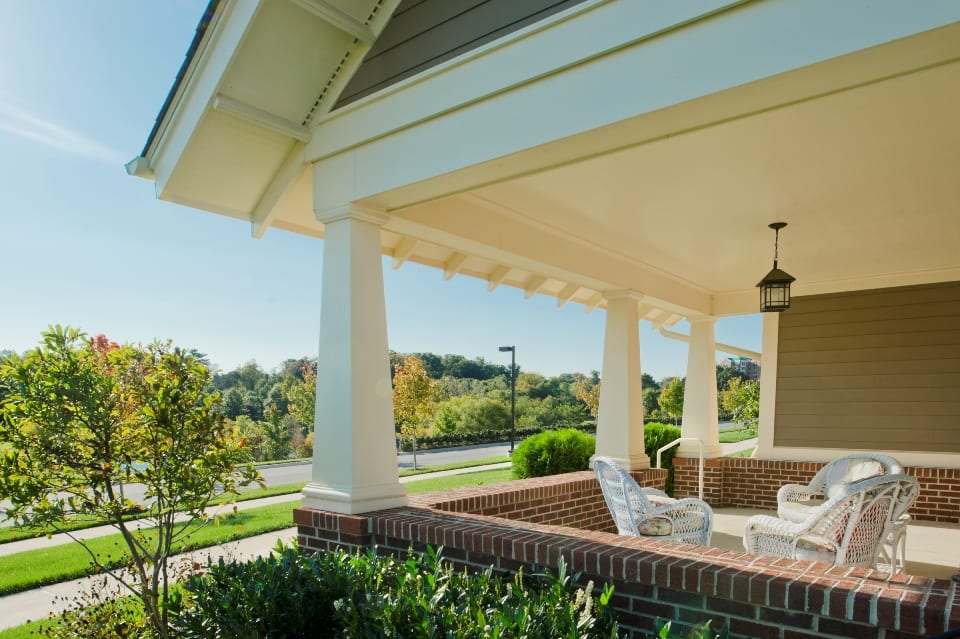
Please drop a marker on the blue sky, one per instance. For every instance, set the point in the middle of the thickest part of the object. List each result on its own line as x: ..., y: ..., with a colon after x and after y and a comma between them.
x: 85, y: 245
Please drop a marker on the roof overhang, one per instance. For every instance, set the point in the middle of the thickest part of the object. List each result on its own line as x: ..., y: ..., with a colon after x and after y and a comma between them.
x: 586, y: 153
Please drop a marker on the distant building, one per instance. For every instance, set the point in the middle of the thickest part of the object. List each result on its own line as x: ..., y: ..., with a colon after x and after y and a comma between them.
x: 745, y: 365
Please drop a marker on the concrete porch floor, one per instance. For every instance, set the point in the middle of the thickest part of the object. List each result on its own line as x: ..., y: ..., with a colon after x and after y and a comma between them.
x: 933, y: 549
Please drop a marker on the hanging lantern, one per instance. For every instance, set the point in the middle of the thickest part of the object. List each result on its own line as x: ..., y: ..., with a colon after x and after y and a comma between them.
x: 775, y: 286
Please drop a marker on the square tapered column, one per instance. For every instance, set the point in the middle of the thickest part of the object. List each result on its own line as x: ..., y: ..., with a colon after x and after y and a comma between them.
x: 354, y: 447
x: 620, y: 418
x: 700, y: 392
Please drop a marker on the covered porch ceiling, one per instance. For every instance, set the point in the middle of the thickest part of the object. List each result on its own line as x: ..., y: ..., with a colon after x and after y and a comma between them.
x: 859, y: 154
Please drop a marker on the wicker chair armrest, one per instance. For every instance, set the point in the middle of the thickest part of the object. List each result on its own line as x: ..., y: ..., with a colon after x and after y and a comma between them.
x: 796, y: 492
x: 769, y: 525
x: 653, y: 492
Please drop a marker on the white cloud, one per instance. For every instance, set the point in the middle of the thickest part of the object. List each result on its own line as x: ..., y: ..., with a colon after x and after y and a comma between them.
x: 26, y: 125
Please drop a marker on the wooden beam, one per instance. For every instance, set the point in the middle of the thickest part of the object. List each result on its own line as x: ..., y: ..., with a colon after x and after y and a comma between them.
x: 453, y: 265
x: 338, y: 18
x: 402, y: 251
x: 533, y: 285
x: 265, y: 210
x: 593, y: 302
x: 566, y: 294
x: 496, y: 278
x: 258, y: 116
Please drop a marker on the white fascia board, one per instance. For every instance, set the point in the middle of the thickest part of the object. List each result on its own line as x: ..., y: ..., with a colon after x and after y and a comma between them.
x: 545, y: 85
x: 224, y: 36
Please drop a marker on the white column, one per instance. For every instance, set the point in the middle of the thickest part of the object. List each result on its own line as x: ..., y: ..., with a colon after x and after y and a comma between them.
x: 354, y: 450
x: 700, y: 392
x: 768, y: 384
x: 620, y: 418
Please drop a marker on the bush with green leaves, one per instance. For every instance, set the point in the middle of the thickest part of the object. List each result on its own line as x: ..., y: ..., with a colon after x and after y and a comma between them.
x: 553, y: 452
x: 363, y: 595
x: 656, y: 435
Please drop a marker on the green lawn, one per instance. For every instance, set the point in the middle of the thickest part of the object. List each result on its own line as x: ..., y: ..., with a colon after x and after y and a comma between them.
x: 479, y: 478
x: 432, y: 469
x: 26, y: 631
x: 738, y: 435
x: 33, y: 568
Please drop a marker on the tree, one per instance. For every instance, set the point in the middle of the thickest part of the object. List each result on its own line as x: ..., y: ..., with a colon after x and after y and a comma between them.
x: 742, y: 400
x: 588, y: 392
x: 302, y: 397
x: 671, y: 398
x: 85, y: 416
x: 413, y: 399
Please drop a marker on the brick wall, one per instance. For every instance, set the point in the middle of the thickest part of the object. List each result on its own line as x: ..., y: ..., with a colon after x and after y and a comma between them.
x: 757, y: 596
x: 753, y: 483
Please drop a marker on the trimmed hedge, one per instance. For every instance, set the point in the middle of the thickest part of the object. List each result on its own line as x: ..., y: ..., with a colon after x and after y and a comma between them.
x: 552, y: 453
x: 655, y: 435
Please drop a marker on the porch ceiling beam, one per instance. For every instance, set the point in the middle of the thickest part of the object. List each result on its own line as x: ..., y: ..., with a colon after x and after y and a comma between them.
x: 496, y: 277
x: 259, y: 117
x: 403, y: 250
x: 338, y: 18
x: 265, y: 210
x: 533, y: 285
x: 566, y: 294
x: 593, y: 302
x: 453, y: 265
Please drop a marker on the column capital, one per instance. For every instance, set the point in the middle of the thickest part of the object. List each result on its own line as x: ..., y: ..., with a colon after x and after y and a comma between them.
x: 622, y: 294
x: 700, y: 319
x: 352, y: 211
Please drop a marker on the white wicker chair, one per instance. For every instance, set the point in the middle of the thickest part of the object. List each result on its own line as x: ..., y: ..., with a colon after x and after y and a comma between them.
x: 796, y: 502
x: 848, y: 529
x: 635, y: 513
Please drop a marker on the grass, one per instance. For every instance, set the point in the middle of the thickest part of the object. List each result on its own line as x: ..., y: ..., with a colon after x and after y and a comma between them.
x: 25, y: 631
x: 470, y: 464
x: 738, y: 435
x: 34, y: 568
x: 479, y: 478
x: 12, y: 533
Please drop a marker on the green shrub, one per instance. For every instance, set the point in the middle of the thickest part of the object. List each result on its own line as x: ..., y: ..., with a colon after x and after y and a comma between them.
x: 655, y: 435
x: 366, y: 596
x: 553, y: 452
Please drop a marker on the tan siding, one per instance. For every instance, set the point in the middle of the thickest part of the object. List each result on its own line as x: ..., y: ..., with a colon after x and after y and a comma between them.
x: 871, y: 369
x: 425, y: 33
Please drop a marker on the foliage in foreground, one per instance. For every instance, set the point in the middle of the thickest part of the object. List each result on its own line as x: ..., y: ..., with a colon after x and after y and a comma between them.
x: 83, y: 417
x: 552, y: 453
x: 362, y: 595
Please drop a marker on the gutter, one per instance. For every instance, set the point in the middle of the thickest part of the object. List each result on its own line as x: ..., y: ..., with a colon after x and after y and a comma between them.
x: 726, y: 348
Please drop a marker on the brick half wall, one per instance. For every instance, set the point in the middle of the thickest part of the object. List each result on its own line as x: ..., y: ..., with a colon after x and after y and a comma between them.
x: 743, y: 482
x: 756, y: 596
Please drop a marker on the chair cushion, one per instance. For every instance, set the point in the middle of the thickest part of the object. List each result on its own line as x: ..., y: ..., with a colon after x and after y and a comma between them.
x: 655, y: 527
x: 854, y: 470
x: 797, y: 511
x: 812, y: 548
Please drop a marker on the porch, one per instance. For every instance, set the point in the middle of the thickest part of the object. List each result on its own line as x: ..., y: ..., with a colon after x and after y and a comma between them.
x: 532, y: 523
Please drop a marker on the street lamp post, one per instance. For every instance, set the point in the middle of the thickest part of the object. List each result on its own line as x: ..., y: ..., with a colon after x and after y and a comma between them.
x: 513, y: 392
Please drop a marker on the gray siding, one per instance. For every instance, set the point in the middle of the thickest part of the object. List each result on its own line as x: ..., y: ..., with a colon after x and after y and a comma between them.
x: 873, y: 369
x: 424, y: 33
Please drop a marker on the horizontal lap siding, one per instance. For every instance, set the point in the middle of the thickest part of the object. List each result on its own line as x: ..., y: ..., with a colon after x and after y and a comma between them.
x: 871, y: 369
x: 424, y: 33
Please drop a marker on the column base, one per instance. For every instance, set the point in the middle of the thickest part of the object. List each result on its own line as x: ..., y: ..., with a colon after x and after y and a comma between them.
x: 359, y: 500
x: 634, y: 462
x: 690, y: 449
